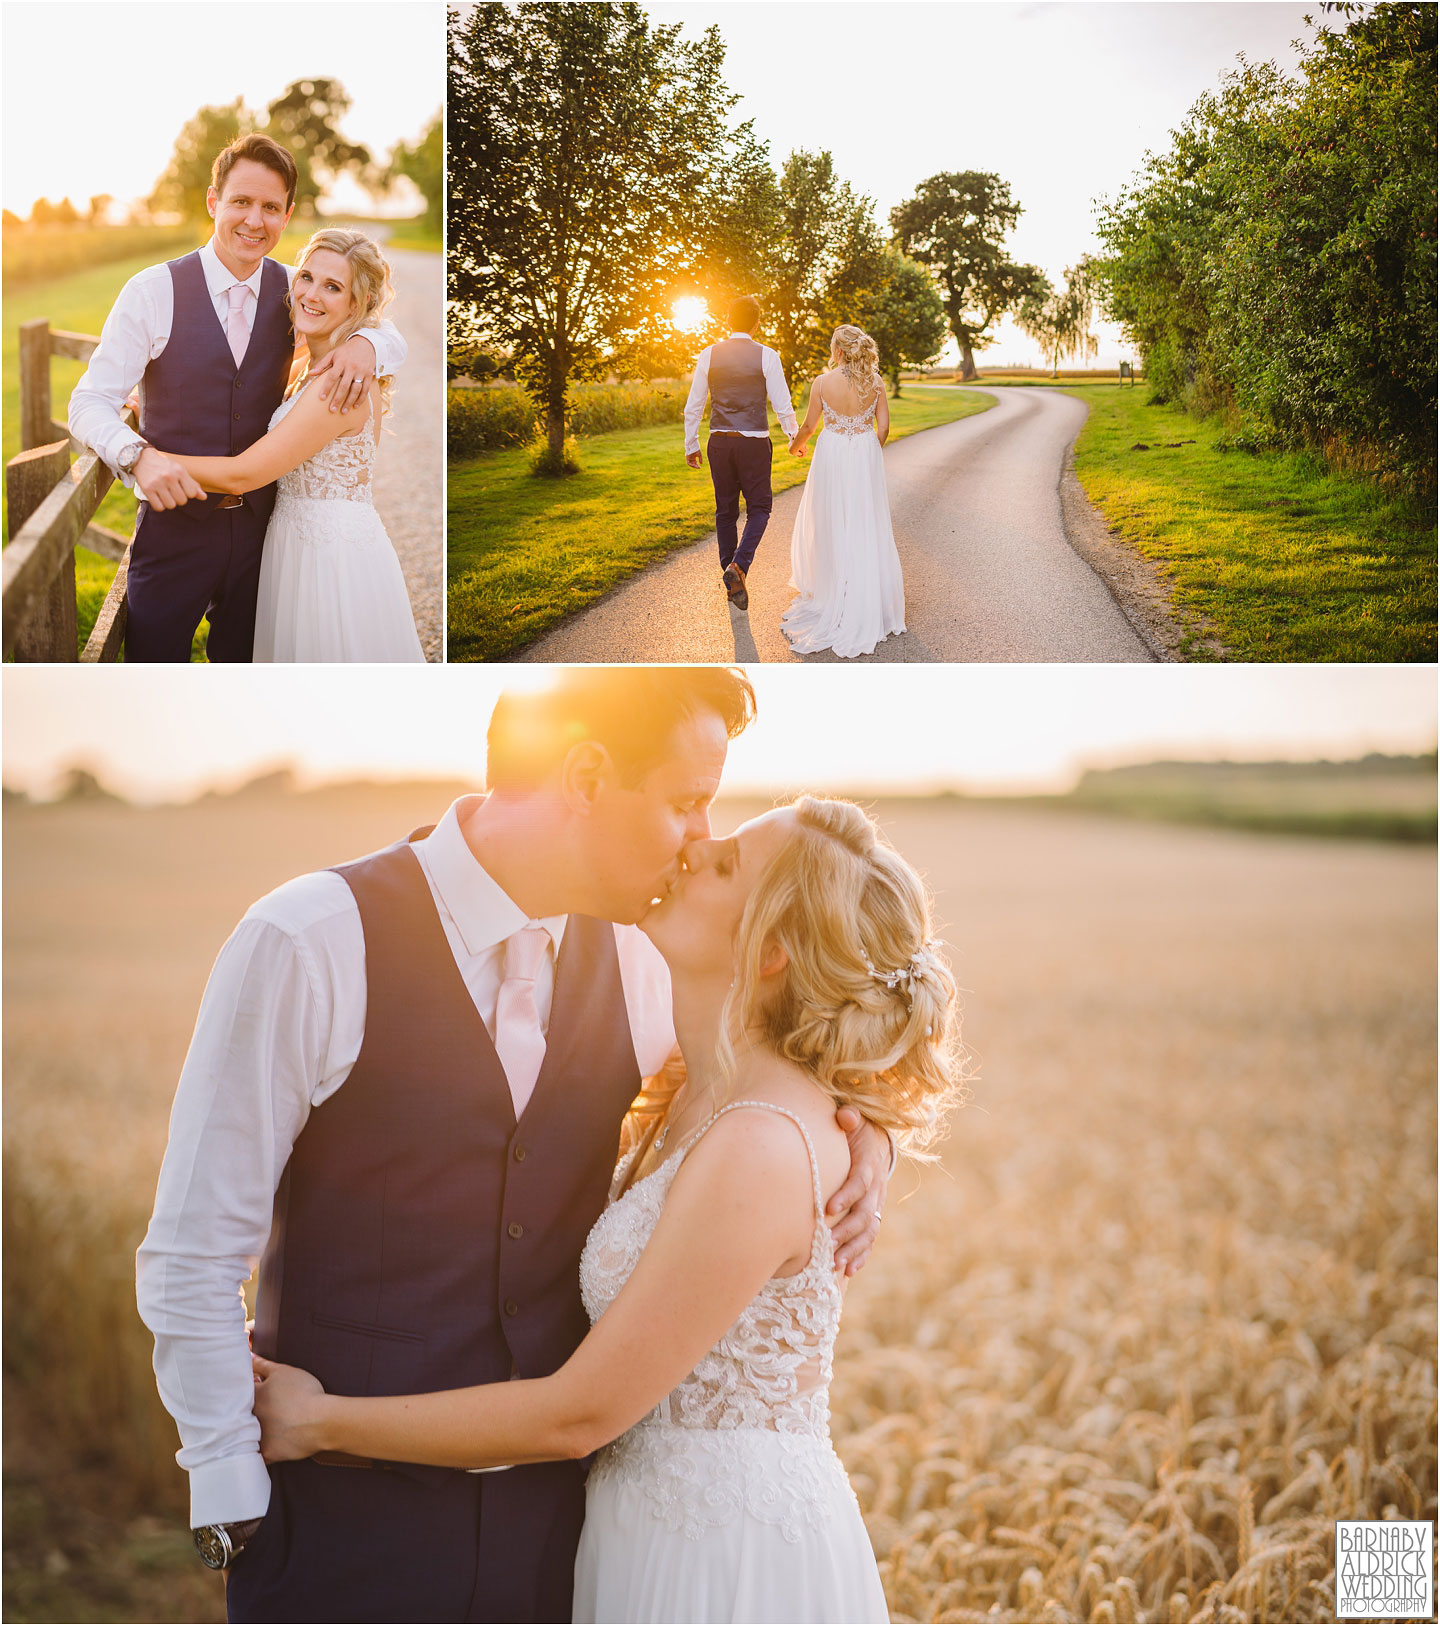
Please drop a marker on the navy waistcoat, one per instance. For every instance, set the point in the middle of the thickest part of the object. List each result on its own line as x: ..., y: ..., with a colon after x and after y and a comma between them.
x: 737, y: 386
x: 196, y: 401
x: 422, y: 1238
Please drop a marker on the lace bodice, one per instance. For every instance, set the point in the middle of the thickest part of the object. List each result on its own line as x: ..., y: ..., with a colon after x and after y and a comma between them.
x: 852, y: 424
x: 772, y: 1369
x: 339, y: 472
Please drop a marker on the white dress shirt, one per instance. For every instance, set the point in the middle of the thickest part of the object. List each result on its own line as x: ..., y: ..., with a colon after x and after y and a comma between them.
x: 137, y: 331
x: 279, y: 1029
x: 775, y: 387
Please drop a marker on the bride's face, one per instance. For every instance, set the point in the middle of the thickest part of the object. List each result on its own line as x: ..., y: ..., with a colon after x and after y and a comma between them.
x: 694, y: 926
x: 321, y: 294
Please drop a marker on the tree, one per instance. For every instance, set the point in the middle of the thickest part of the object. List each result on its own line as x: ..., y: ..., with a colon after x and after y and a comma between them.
x: 181, y: 189
x: 1278, y: 261
x: 824, y: 253
x: 904, y: 315
x: 306, y: 120
x: 1058, y: 319
x: 424, y: 164
x: 585, y: 144
x: 956, y: 224
x: 99, y: 207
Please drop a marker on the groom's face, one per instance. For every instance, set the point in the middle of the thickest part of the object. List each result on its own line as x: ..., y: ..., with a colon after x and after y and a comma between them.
x: 250, y: 211
x: 640, y: 830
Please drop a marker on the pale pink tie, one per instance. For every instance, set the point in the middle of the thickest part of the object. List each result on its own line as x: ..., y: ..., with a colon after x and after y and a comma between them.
x: 519, y: 1038
x: 235, y: 328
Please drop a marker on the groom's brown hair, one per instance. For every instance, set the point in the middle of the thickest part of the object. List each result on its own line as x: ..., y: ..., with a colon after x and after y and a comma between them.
x: 744, y: 314
x: 633, y: 711
x: 259, y: 149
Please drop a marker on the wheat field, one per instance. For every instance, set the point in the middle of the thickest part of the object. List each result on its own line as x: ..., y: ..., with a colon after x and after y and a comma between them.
x: 1166, y: 1310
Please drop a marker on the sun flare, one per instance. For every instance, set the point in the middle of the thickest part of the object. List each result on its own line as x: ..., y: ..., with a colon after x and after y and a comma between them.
x: 689, y: 314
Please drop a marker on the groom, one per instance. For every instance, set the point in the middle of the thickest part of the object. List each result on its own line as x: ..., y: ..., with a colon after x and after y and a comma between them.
x: 739, y: 375
x: 208, y: 341
x: 405, y: 1089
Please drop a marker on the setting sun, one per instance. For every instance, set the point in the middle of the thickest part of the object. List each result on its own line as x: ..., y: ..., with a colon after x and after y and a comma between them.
x: 689, y: 314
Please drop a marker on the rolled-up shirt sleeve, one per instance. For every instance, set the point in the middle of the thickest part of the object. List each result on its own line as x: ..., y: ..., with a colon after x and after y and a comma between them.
x: 135, y: 332
x: 258, y: 1052
x: 779, y: 391
x: 695, y: 402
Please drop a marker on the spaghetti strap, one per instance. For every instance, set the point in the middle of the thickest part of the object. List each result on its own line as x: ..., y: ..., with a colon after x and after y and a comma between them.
x: 785, y: 1112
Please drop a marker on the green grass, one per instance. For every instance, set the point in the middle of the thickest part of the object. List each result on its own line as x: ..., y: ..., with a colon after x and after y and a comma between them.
x: 1284, y: 560
x: 523, y: 553
x: 415, y: 234
x: 81, y: 303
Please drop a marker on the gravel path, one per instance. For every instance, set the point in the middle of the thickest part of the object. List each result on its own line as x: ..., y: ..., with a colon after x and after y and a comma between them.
x: 990, y: 574
x: 410, y: 476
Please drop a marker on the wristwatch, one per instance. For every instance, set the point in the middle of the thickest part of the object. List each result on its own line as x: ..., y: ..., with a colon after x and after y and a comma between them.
x: 125, y: 463
x: 218, y: 1544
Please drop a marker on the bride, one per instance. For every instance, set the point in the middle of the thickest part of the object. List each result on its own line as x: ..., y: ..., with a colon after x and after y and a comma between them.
x: 331, y: 586
x: 842, y: 551
x: 803, y: 975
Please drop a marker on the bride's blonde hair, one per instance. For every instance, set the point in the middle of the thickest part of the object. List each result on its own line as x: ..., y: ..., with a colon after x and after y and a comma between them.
x: 371, y: 289
x: 865, y: 1002
x: 859, y: 357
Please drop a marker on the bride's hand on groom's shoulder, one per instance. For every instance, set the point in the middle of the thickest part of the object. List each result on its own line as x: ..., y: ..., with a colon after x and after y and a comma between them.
x: 286, y: 1407
x: 351, y: 367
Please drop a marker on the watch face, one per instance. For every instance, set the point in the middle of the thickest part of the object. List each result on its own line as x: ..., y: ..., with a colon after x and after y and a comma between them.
x: 211, y: 1544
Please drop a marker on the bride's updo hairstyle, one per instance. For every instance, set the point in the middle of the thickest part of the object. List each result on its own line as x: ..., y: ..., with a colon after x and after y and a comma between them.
x: 859, y: 357
x: 865, y: 1002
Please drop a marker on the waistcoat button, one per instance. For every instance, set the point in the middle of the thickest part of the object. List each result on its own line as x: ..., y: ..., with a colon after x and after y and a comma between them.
x: 237, y: 417
x: 511, y: 1307
x: 519, y: 1154
x: 515, y: 1229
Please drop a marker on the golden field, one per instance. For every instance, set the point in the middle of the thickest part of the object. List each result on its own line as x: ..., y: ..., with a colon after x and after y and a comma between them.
x: 1166, y: 1311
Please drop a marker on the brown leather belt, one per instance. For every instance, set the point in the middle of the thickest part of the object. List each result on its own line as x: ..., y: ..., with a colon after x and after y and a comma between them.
x: 343, y: 1459
x: 231, y: 499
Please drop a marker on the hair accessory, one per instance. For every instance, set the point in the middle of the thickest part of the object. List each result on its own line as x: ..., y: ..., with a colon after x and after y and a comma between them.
x: 921, y: 963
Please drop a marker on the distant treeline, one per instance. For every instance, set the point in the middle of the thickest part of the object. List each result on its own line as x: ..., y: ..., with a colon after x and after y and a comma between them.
x: 1278, y: 262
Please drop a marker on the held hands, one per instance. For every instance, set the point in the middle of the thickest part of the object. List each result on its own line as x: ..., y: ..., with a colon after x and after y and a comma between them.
x: 286, y: 1404
x: 164, y: 482
x: 693, y: 459
x: 797, y: 446
x: 351, y: 366
x: 854, y: 1211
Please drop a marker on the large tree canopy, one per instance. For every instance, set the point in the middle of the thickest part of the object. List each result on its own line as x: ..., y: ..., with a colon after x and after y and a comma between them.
x: 956, y: 224
x: 824, y: 251
x: 592, y: 171
x: 904, y: 315
x: 1278, y: 261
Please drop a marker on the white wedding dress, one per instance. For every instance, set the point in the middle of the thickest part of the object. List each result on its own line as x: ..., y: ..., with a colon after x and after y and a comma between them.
x: 727, y: 1502
x: 331, y: 587
x: 842, y: 550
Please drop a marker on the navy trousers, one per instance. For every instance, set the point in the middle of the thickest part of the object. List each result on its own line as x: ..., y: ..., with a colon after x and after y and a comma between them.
x: 740, y: 465
x: 401, y: 1543
x: 191, y: 563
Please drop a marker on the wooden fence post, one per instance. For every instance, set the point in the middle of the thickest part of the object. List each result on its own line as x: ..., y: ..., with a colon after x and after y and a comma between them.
x: 35, y: 427
x: 48, y: 632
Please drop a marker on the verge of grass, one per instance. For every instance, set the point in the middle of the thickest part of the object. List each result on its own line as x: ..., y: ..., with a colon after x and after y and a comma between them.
x: 523, y: 553
x: 415, y: 234
x: 80, y: 303
x: 1283, y: 560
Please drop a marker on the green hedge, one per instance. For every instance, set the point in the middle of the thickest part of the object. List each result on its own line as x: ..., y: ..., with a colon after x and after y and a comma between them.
x: 491, y: 419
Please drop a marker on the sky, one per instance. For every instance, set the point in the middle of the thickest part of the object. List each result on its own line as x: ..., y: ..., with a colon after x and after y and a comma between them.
x: 1062, y: 100
x: 115, y: 83
x: 986, y: 729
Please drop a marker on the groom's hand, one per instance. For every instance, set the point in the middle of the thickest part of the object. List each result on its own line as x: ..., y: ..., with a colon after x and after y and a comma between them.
x: 693, y: 459
x: 165, y: 483
x: 854, y: 1211
x: 351, y: 366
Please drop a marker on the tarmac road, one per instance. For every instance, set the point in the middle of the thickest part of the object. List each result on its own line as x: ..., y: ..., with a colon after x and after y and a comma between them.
x: 989, y: 574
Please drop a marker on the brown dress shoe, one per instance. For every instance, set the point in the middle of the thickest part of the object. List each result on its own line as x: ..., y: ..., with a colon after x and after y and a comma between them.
x: 735, y: 587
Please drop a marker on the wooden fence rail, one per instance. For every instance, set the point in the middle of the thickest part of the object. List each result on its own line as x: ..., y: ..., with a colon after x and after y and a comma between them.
x: 51, y: 508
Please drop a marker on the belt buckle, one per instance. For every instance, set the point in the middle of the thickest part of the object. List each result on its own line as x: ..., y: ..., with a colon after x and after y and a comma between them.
x: 231, y: 499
